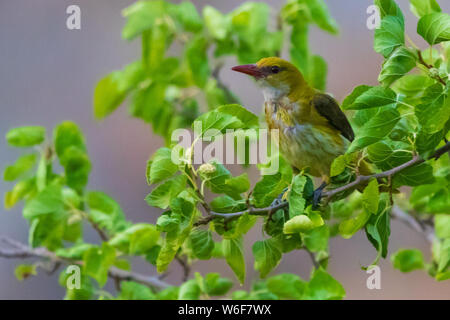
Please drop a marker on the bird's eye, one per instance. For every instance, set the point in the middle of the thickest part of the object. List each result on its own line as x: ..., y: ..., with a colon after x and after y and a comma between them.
x: 275, y: 69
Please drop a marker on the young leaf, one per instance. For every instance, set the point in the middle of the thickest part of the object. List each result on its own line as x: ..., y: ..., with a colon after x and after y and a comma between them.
x: 25, y: 136
x: 197, y: 59
x: 141, y: 16
x: 389, y: 36
x: 164, y: 193
x: 161, y: 166
x: 371, y: 197
x: 399, y: 63
x: 267, y: 189
x: 267, y: 255
x: 379, y: 126
x: 434, y: 111
x: 378, y: 230
x: 21, y: 166
x: 233, y: 252
x: 112, y: 89
x: 105, y: 212
x: 323, y: 286
x: 135, y: 291
x: 364, y: 97
x: 287, y: 286
x: 389, y: 8
x: 442, y: 225
x: 434, y: 27
x: 24, y: 271
x: 296, y: 200
x: 215, y: 285
x: 407, y: 260
x: 189, y: 290
x: 97, y: 262
x: 202, y: 244
x: 216, y: 24
x: 423, y: 7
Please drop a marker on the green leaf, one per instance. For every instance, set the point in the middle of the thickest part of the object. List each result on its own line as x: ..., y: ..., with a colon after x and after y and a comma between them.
x: 232, y: 116
x: 202, y: 244
x: 161, y: 166
x: 442, y: 225
x: 267, y: 255
x: 399, y: 63
x: 423, y: 7
x: 296, y: 200
x: 233, y: 252
x: 71, y: 150
x: 318, y: 73
x: 105, y: 212
x: 444, y: 255
x: 19, y: 192
x: 434, y: 27
x: 364, y: 97
x: 25, y: 136
x: 136, y: 239
x: 187, y: 14
x: 24, y: 271
x: 379, y: 126
x: 135, y: 291
x: 216, y: 23
x: 21, y: 166
x: 111, y: 90
x: 185, y: 212
x: 321, y: 16
x: 226, y: 204
x: 349, y: 227
x: 371, y: 197
x: 389, y: 36
x: 323, y: 286
x: 287, y: 286
x: 407, y: 260
x: 162, y: 195
x: 76, y: 252
x: 302, y: 223
x: 197, y: 59
x: 378, y: 231
x: 389, y: 8
x: 239, y: 184
x: 434, y: 112
x: 97, y: 262
x: 142, y: 16
x: 215, y: 285
x: 47, y: 202
x: 317, y: 239
x: 268, y: 189
x: 189, y: 291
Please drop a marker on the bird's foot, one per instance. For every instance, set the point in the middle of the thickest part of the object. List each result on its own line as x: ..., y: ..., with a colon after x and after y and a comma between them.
x: 280, y: 198
x: 317, y: 195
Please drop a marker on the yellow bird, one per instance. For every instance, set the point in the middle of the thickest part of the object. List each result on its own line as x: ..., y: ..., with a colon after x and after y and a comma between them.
x: 313, y: 130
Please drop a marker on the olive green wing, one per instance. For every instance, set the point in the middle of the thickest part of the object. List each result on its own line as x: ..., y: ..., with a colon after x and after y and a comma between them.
x: 328, y: 107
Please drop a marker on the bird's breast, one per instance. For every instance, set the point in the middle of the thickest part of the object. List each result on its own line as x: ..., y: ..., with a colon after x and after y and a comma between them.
x: 305, y: 142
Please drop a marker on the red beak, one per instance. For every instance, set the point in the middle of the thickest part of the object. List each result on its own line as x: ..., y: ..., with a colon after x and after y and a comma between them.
x: 250, y: 69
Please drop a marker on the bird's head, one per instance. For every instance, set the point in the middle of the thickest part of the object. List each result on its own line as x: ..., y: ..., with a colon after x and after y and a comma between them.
x: 276, y: 76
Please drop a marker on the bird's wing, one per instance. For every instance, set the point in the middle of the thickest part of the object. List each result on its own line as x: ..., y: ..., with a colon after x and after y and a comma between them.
x: 327, y: 107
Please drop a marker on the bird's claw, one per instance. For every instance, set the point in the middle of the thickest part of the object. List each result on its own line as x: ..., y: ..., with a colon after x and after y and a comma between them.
x: 317, y: 195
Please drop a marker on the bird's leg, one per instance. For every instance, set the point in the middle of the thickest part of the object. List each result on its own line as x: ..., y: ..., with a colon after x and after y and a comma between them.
x: 280, y: 198
x: 317, y: 195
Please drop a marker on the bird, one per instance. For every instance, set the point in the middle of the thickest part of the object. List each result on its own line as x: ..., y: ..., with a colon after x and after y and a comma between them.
x: 313, y: 130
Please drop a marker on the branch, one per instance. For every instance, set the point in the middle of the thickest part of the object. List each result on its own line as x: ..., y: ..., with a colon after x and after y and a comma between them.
x: 410, y: 221
x: 429, y: 66
x: 21, y: 251
x: 385, y: 174
x: 328, y: 194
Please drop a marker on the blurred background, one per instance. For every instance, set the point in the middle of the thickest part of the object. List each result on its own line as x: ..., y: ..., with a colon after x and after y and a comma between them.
x: 48, y: 73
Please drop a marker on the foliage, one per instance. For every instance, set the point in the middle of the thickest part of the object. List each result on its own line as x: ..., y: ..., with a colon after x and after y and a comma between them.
x: 404, y: 117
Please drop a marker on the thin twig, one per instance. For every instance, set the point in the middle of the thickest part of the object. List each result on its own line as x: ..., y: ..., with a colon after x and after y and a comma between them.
x: 327, y: 194
x: 21, y: 251
x: 429, y: 66
x: 399, y: 214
